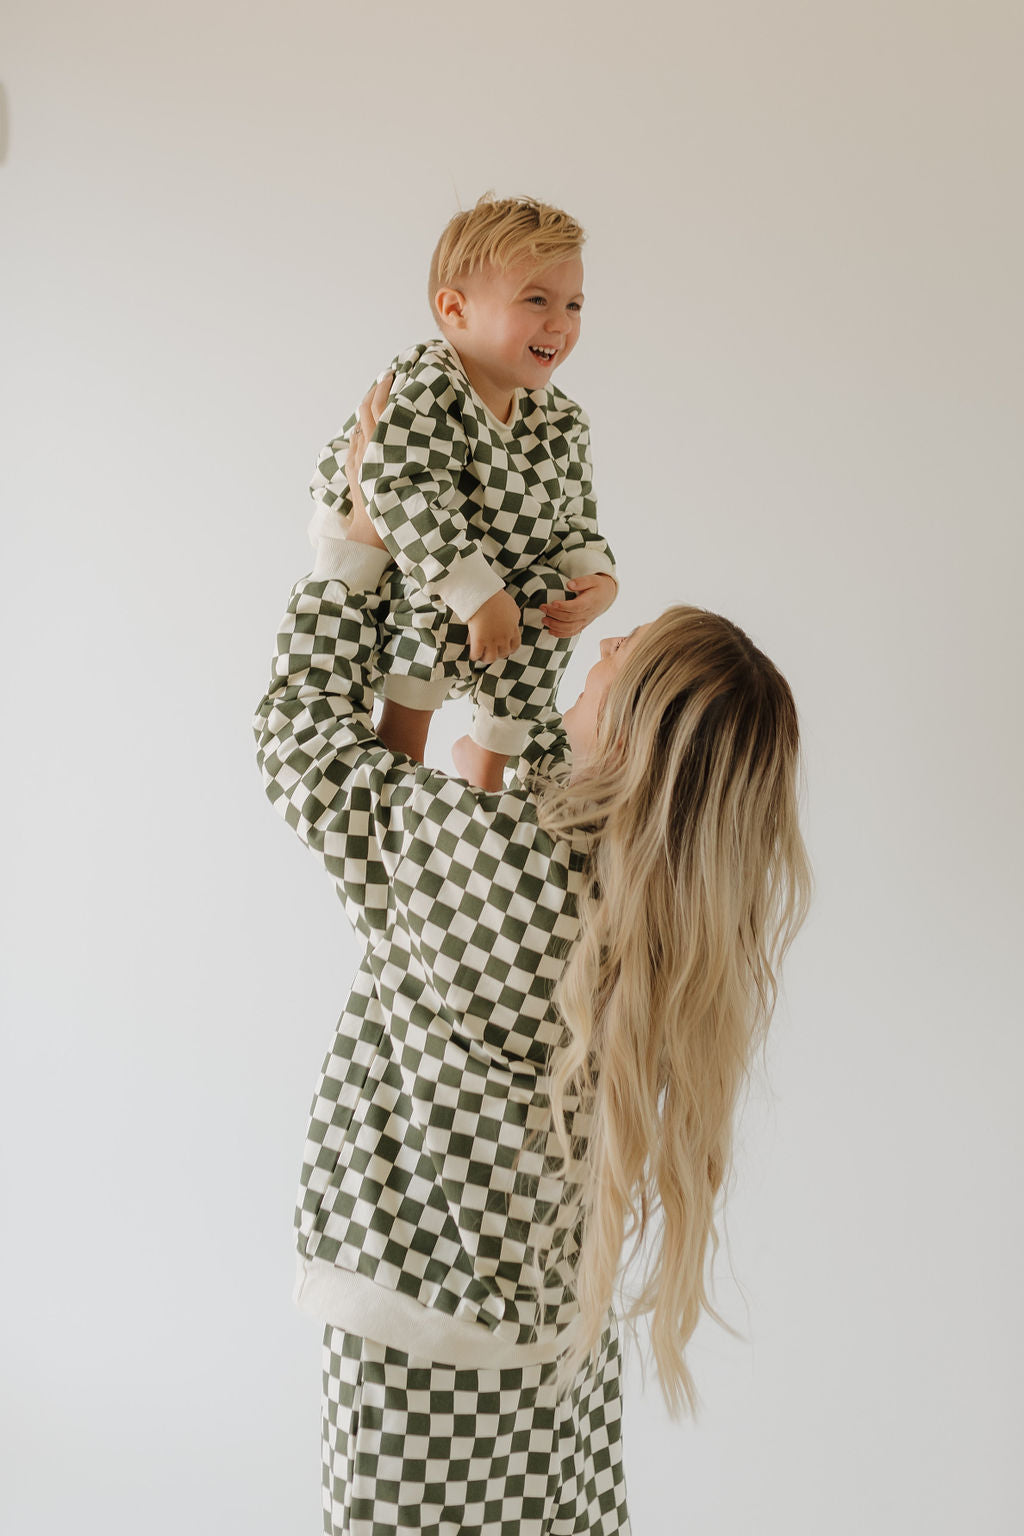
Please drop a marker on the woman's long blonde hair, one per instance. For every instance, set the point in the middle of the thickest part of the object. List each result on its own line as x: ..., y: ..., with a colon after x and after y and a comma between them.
x: 696, y: 884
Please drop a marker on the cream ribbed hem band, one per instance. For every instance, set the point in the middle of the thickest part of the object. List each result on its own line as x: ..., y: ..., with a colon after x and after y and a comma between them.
x: 359, y: 566
x: 359, y: 1305
x: 415, y: 692
x: 507, y: 735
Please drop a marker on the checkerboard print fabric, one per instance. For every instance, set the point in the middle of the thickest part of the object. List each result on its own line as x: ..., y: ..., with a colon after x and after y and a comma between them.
x: 442, y: 484
x: 522, y: 686
x: 435, y: 1450
x: 415, y: 1171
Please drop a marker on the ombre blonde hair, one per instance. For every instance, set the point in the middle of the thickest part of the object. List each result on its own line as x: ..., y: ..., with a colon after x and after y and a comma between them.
x: 697, y: 882
x: 502, y: 232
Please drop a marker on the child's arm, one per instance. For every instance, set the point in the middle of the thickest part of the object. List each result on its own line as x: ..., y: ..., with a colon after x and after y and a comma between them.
x: 410, y: 480
x: 494, y: 623
x: 582, y: 549
x: 583, y: 555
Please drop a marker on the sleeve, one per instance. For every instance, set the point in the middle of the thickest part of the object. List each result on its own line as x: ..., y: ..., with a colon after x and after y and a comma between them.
x: 329, y: 487
x: 403, y: 843
x: 546, y: 754
x: 582, y: 550
x: 410, y: 479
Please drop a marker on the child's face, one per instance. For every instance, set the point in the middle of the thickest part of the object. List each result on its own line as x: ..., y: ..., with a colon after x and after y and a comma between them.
x: 517, y: 329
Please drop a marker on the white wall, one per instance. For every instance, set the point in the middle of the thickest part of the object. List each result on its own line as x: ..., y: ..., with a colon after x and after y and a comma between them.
x: 802, y: 356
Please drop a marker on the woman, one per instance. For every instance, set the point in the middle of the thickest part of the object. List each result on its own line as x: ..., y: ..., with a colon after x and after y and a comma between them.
x: 563, y: 985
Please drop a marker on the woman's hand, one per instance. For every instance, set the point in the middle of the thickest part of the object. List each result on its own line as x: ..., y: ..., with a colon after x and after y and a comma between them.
x: 360, y: 529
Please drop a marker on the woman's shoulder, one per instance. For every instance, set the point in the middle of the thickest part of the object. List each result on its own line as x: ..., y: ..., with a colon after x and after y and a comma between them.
x: 461, y: 839
x: 546, y: 754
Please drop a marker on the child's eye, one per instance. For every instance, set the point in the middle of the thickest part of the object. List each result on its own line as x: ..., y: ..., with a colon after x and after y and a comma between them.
x: 574, y: 305
x: 536, y: 298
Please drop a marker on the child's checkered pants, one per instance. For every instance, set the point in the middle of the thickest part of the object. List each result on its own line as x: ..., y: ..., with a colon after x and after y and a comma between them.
x: 410, y: 1446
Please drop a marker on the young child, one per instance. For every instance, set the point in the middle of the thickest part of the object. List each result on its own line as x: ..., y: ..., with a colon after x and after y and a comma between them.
x: 477, y: 477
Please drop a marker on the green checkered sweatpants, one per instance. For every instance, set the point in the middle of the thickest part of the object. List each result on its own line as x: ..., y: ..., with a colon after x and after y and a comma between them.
x: 424, y: 656
x: 414, y: 1448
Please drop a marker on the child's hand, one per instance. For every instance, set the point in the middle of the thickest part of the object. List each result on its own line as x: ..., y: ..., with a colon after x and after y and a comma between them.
x: 494, y: 628
x: 594, y: 594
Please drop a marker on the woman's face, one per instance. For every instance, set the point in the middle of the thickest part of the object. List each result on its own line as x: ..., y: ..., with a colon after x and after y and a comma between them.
x: 580, y: 721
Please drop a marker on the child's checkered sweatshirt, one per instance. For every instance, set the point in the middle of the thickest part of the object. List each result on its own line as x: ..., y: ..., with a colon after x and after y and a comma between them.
x: 413, y: 1219
x: 467, y: 505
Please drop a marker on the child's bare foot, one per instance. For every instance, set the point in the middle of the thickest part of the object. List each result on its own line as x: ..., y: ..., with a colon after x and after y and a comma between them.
x: 481, y: 767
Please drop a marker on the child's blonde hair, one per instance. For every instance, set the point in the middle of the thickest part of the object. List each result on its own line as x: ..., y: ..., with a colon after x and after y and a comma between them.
x: 504, y: 232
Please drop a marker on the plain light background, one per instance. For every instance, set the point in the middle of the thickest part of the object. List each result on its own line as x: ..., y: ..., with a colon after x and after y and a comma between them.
x: 802, y: 357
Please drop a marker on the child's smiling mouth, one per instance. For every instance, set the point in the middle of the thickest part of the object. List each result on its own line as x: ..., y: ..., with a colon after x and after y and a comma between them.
x: 544, y: 354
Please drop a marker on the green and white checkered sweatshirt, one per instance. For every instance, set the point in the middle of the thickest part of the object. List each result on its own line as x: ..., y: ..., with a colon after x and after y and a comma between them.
x: 462, y: 499
x: 411, y: 1220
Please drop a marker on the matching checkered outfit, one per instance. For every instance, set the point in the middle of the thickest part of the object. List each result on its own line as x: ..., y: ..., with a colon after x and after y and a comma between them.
x: 467, y: 505
x: 418, y: 1198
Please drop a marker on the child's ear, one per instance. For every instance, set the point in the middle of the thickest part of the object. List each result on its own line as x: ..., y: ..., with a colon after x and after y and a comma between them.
x: 451, y: 306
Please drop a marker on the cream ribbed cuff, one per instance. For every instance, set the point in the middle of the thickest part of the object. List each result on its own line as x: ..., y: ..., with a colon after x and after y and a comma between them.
x: 471, y: 580
x: 359, y: 566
